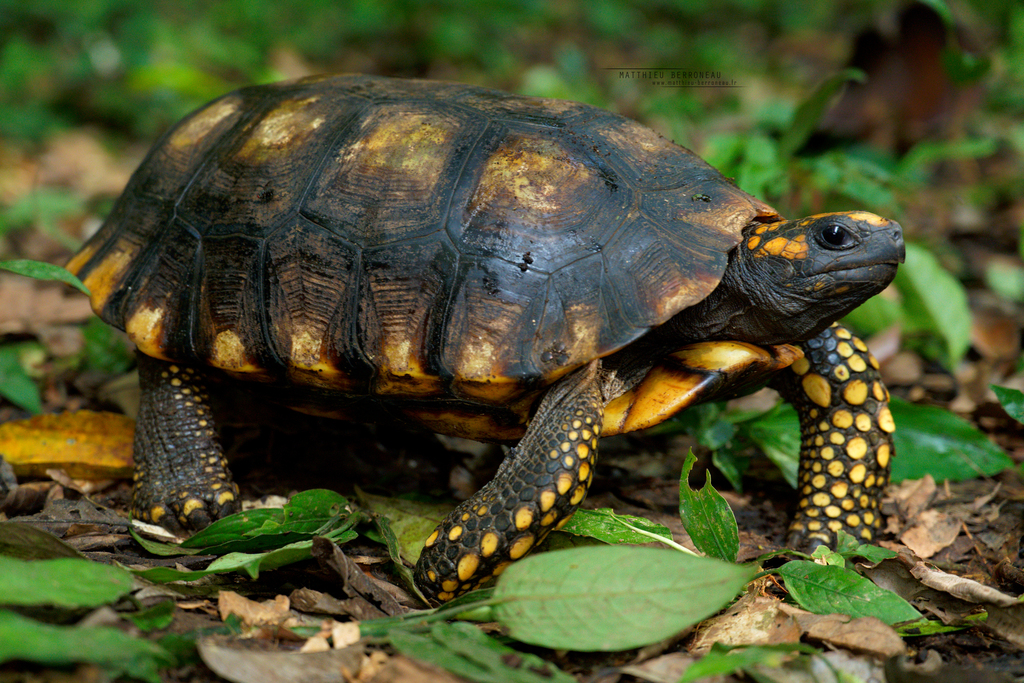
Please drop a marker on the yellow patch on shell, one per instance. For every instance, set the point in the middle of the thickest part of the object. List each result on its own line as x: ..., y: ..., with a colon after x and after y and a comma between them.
x: 108, y: 273
x: 229, y: 353
x: 280, y: 128
x: 145, y: 329
x: 817, y: 389
x: 81, y: 258
x: 202, y: 122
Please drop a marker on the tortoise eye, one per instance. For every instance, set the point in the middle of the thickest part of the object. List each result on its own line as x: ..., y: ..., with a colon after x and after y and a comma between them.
x: 836, y: 236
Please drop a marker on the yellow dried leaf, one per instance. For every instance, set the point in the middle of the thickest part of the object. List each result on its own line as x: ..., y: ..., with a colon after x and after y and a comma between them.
x: 85, y: 444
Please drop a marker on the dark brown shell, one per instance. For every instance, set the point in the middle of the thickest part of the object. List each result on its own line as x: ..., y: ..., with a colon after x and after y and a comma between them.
x: 414, y: 239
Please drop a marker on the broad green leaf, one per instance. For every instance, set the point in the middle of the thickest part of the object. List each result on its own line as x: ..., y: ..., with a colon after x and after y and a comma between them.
x: 849, y: 547
x: 15, y: 384
x: 411, y: 520
x: 777, y: 434
x: 110, y: 648
x: 466, y: 651
x: 43, y: 271
x: 934, y: 302
x: 707, y: 517
x: 304, y: 515
x: 611, y: 597
x: 1012, y: 401
x: 828, y: 589
x: 930, y: 440
x: 63, y: 582
x: 26, y: 542
x: 723, y: 660
x: 809, y: 113
x: 604, y: 525
x: 154, y: 618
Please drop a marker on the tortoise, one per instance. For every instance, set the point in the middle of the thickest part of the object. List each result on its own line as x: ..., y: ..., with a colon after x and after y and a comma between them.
x: 486, y: 265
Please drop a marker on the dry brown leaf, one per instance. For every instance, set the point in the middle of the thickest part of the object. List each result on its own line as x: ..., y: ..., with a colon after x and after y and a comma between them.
x: 31, y: 305
x: 253, y: 613
x: 864, y: 634
x: 753, y: 620
x: 242, y: 662
x: 667, y: 668
x: 914, y: 495
x: 85, y: 444
x: 933, y: 531
x: 400, y: 669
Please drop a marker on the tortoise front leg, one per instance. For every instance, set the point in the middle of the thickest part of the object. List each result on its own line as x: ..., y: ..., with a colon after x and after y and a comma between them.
x: 538, y: 487
x: 181, y: 477
x: 846, y: 438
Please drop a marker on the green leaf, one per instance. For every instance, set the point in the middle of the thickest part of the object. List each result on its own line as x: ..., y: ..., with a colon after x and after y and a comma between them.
x: 157, y: 617
x: 117, y: 652
x: 849, y: 547
x: 412, y: 521
x: 707, y: 517
x: 611, y: 597
x: 26, y: 542
x: 829, y: 589
x: 63, y: 582
x: 465, y: 651
x: 724, y: 660
x: 934, y: 302
x: 43, y: 271
x: 777, y: 434
x: 383, y: 526
x: 15, y: 384
x: 809, y: 113
x: 607, y: 526
x: 1012, y: 401
x: 930, y: 440
x: 305, y: 515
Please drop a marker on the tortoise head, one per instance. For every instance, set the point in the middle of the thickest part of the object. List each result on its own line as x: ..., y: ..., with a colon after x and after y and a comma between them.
x: 787, y: 281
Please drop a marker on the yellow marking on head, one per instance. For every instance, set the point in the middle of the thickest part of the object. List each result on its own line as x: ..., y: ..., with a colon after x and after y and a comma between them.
x: 467, y: 566
x: 842, y: 419
x: 869, y: 218
x: 760, y: 230
x: 858, y: 472
x: 817, y: 389
x: 202, y: 122
x: 454, y: 533
x: 882, y: 455
x: 523, y: 518
x: 753, y: 242
x: 792, y: 249
x: 229, y: 353
x: 840, y: 489
x: 885, y: 421
x: 863, y: 422
x: 488, y: 544
x: 520, y: 547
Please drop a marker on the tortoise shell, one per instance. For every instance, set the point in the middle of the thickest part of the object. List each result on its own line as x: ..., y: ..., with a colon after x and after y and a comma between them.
x: 412, y: 240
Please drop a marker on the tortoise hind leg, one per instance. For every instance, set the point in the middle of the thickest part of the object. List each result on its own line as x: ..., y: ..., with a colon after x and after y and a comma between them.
x: 538, y: 487
x: 181, y: 476
x: 846, y: 438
